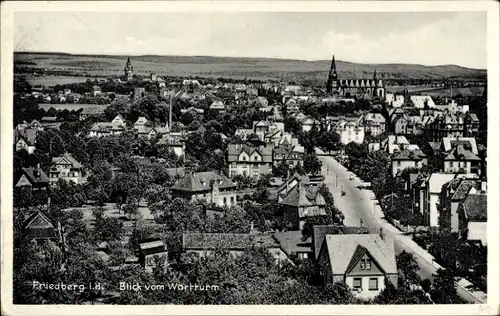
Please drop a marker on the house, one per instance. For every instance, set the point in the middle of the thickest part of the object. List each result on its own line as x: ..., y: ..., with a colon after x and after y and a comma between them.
x: 273, y: 137
x: 400, y: 123
x: 320, y: 231
x: 139, y: 93
x: 407, y: 159
x: 452, y: 194
x: 209, y: 186
x: 393, y: 144
x: 218, y: 106
x: 282, y: 190
x: 422, y: 101
x: 451, y: 125
x: 249, y: 161
x: 374, y: 124
x: 96, y: 90
x: 350, y: 131
x: 102, y: 129
x: 33, y: 178
x: 141, y: 122
x: 50, y: 122
x: 176, y: 143
x: 307, y: 123
x: 67, y: 168
x: 363, y: 262
x: 292, y: 155
x: 292, y: 244
x: 473, y: 218
x: 25, y: 139
x: 461, y: 160
x: 244, y: 133
x: 429, y: 191
x: 204, y: 244
x: 39, y: 227
x: 91, y: 111
x: 301, y: 203
x: 153, y: 254
x: 195, y: 112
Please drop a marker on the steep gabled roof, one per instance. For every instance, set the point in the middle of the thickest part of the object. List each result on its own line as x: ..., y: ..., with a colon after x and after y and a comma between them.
x: 69, y: 158
x: 415, y: 155
x: 30, y: 175
x: 464, y: 187
x: 303, y: 196
x: 320, y: 231
x: 234, y: 151
x: 343, y: 249
x: 475, y: 207
x: 202, y: 181
x: 460, y: 153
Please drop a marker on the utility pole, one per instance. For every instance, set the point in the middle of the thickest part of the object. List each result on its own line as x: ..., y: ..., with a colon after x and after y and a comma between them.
x: 170, y: 111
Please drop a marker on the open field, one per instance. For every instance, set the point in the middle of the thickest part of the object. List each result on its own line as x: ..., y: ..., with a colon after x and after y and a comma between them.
x: 437, y: 91
x: 53, y: 80
x: 261, y: 68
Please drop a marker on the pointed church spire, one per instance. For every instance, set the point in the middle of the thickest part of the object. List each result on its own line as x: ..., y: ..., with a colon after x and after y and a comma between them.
x: 333, y: 67
x: 332, y: 75
x: 375, y: 74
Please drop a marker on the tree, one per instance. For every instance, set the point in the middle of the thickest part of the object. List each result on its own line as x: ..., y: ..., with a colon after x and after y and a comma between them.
x: 409, y: 267
x: 443, y: 289
x: 330, y: 141
x: 312, y: 165
x: 107, y: 229
x: 307, y: 230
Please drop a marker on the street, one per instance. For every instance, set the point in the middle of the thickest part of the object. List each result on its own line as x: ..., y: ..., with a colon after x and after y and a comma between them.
x: 360, y: 207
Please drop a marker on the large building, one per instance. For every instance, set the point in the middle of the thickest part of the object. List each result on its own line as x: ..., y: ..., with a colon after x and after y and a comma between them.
x: 359, y: 88
x: 129, y: 70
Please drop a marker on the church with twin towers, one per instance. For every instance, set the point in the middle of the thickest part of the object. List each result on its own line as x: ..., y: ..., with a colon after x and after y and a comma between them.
x: 354, y: 88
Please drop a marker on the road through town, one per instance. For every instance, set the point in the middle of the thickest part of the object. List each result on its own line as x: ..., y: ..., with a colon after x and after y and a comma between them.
x: 359, y: 206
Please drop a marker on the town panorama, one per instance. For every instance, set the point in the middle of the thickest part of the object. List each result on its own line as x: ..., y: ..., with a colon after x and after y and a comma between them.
x: 136, y: 186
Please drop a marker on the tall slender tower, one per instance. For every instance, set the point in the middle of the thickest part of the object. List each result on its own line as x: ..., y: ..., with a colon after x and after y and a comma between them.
x: 331, y: 83
x: 129, y: 70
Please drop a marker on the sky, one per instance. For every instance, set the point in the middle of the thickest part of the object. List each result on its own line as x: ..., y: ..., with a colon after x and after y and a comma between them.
x: 428, y: 38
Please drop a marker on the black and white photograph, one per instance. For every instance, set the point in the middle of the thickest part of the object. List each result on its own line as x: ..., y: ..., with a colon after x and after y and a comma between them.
x: 250, y: 157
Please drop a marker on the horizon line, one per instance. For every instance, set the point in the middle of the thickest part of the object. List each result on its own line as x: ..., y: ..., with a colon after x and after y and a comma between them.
x: 254, y: 57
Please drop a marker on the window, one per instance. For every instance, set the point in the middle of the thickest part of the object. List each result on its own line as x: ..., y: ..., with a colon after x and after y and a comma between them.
x: 225, y: 201
x: 373, y: 284
x: 362, y: 264
x: 356, y: 284
x: 368, y: 264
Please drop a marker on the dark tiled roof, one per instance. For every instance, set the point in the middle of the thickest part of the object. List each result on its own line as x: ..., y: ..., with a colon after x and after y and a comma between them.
x: 234, y: 151
x: 68, y: 157
x: 460, y: 153
x: 320, y: 231
x: 476, y: 207
x: 28, y: 134
x: 409, y: 155
x: 202, y: 181
x: 40, y: 179
x: 37, y: 225
x: 463, y: 189
x: 301, y: 196
x: 291, y: 242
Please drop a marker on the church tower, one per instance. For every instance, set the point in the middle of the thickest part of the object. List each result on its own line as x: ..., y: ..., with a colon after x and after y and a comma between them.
x: 331, y: 83
x: 129, y: 70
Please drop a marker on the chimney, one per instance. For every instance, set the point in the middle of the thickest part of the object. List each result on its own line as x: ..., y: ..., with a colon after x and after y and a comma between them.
x: 483, y: 186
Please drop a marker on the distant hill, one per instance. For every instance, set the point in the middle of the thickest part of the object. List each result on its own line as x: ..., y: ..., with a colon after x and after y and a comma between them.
x: 258, y: 68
